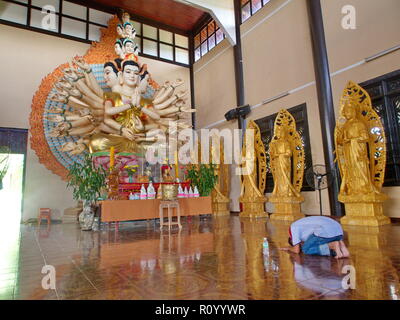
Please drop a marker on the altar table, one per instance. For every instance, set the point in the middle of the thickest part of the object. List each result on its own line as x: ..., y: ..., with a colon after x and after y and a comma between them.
x: 129, y: 210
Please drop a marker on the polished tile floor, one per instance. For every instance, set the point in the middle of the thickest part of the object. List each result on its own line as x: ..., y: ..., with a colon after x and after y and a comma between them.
x: 211, y: 258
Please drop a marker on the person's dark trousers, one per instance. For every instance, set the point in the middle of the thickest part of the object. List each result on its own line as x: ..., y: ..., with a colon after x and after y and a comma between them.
x: 318, y: 246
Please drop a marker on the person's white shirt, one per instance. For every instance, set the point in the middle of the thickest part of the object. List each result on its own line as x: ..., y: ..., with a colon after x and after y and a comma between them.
x: 320, y: 226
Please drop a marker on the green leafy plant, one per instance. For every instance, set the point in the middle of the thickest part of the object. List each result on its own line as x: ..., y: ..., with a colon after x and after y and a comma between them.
x: 203, y: 176
x: 86, y: 181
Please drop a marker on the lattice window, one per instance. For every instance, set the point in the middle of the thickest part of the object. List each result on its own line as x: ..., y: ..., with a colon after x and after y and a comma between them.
x: 209, y: 36
x: 82, y: 23
x: 250, y: 7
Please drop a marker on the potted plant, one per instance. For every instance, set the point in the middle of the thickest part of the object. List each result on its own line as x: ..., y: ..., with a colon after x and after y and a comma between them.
x: 203, y: 176
x: 87, y: 182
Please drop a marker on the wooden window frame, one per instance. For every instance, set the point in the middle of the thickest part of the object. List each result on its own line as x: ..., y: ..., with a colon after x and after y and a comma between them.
x: 87, y: 21
x: 213, y: 34
x: 263, y: 3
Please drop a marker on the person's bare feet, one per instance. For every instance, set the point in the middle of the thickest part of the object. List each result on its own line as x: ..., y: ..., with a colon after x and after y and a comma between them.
x: 344, y: 250
x: 335, y: 246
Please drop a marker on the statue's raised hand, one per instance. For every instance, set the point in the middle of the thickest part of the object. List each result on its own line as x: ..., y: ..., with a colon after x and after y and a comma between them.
x: 127, y: 133
x: 82, y: 64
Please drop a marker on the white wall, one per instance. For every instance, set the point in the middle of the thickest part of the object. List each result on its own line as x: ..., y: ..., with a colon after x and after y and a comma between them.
x: 27, y: 58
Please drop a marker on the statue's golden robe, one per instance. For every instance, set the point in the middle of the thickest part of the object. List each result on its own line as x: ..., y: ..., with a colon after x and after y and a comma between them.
x: 104, y: 141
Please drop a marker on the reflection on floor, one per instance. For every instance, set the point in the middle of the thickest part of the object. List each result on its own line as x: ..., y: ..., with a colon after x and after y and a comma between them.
x: 211, y: 258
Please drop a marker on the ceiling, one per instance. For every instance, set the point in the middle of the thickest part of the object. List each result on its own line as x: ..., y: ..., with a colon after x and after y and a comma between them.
x: 166, y: 12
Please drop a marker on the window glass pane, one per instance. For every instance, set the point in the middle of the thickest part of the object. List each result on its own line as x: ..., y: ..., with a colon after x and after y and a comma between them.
x: 246, y: 12
x: 166, y: 36
x: 150, y: 47
x: 197, y: 54
x: 256, y: 5
x: 94, y: 32
x: 149, y: 32
x: 211, y: 27
x: 204, y: 48
x: 73, y: 28
x: 137, y: 27
x: 166, y: 52
x: 42, y: 3
x: 211, y: 42
x: 13, y: 12
x: 74, y: 10
x: 99, y: 16
x: 181, y: 41
x: 38, y: 21
x: 138, y: 43
x: 182, y: 55
x: 220, y: 35
x: 203, y: 34
x: 197, y: 41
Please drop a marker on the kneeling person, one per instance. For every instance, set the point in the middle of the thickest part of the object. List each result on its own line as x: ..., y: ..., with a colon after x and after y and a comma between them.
x: 317, y: 235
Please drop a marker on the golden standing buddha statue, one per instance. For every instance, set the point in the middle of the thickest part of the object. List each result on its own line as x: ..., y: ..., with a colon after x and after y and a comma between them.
x: 361, y: 155
x: 253, y: 174
x: 286, y: 153
x: 220, y: 193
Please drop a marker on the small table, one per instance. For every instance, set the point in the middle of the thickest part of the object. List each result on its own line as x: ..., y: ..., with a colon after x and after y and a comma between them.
x: 169, y: 205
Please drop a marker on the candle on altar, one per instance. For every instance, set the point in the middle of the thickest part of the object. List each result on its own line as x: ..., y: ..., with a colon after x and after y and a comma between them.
x: 112, y: 157
x: 176, y: 165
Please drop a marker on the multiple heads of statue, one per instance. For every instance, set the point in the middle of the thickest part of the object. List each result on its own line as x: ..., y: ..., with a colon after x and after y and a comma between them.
x: 126, y: 30
x: 125, y: 46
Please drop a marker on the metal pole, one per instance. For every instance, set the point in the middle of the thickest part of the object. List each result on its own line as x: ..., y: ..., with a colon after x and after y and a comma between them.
x: 238, y: 59
x: 325, y: 100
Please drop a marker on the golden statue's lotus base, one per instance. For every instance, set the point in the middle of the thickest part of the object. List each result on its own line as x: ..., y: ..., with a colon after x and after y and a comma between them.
x: 254, y: 208
x: 221, y: 208
x: 367, y: 211
x: 287, y: 208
